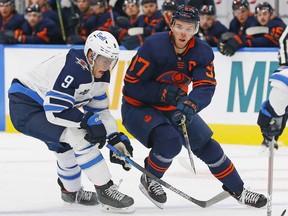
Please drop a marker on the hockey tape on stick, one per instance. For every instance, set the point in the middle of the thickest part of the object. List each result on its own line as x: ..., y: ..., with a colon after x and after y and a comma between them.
x: 204, y: 204
x: 270, y: 176
x: 257, y: 30
x: 135, y: 31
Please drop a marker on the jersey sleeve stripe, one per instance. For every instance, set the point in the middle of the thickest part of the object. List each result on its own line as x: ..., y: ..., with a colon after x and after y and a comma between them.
x: 60, y: 96
x: 279, y: 77
x: 92, y: 109
x: 101, y: 97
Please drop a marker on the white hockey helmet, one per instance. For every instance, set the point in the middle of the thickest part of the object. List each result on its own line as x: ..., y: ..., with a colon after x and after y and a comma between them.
x: 283, y: 51
x: 102, y: 43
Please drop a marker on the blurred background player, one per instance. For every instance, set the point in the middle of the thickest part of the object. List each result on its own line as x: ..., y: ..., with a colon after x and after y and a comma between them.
x: 146, y: 23
x: 10, y: 20
x: 37, y: 29
x: 243, y: 19
x: 273, y: 115
x: 168, y: 7
x: 44, y: 103
x: 87, y: 23
x: 265, y: 18
x: 46, y: 10
x: 210, y: 29
x: 156, y: 102
x: 123, y: 23
x: 105, y: 15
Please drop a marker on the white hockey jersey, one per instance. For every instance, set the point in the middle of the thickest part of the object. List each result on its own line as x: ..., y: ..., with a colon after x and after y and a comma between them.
x: 64, y: 83
x: 279, y: 93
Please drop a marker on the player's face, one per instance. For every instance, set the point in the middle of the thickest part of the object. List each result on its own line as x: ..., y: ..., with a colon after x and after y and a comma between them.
x: 149, y: 9
x: 101, y: 65
x: 5, y: 10
x: 99, y: 9
x: 242, y: 15
x: 206, y: 21
x: 83, y: 5
x: 263, y: 17
x: 33, y: 19
x: 131, y: 10
x: 182, y: 33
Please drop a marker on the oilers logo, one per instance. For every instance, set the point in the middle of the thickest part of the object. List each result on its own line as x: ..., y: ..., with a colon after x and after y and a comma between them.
x: 175, y: 78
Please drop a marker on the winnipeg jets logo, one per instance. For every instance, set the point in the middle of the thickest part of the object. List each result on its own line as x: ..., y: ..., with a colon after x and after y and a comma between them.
x: 82, y: 63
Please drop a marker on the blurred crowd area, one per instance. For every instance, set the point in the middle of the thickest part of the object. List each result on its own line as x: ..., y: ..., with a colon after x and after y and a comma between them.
x: 132, y: 21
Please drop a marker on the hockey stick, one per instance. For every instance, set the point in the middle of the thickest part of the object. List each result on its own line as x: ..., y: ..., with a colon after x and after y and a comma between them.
x: 257, y: 30
x: 204, y: 204
x: 61, y: 20
x: 188, y: 147
x: 270, y: 176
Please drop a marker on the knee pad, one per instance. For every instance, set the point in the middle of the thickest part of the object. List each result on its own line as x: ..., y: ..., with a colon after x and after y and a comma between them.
x: 166, y: 141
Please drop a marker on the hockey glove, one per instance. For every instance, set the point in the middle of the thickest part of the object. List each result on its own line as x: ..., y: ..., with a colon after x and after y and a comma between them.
x: 121, y: 142
x: 185, y: 110
x: 96, y: 132
x: 170, y: 94
x: 132, y: 42
x: 270, y: 124
x: 232, y: 45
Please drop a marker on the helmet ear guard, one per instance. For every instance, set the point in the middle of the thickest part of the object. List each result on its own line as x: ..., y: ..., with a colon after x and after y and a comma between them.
x: 102, y: 43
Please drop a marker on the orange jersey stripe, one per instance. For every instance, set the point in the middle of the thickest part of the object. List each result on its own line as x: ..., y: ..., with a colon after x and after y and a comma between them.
x: 203, y: 82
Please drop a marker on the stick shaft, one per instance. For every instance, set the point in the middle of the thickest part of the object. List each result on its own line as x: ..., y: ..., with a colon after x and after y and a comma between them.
x: 270, y: 176
x: 188, y: 146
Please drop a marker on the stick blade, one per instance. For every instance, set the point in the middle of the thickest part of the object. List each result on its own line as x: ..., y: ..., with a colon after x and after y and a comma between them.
x: 257, y: 30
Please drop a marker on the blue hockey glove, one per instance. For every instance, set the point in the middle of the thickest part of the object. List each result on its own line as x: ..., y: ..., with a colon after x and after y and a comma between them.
x: 121, y: 142
x: 270, y: 124
x: 185, y: 110
x: 170, y: 94
x: 96, y: 132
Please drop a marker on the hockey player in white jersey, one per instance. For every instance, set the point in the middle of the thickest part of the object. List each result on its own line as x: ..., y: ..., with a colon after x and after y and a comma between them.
x: 45, y: 103
x: 273, y: 114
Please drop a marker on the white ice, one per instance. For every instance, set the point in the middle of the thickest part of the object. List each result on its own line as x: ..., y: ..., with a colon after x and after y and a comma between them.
x: 28, y: 182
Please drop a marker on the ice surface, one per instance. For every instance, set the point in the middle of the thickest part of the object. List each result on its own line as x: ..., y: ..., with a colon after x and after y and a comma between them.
x: 28, y: 182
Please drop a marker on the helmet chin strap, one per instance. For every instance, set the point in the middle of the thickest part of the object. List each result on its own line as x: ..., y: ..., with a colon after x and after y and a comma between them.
x: 93, y: 57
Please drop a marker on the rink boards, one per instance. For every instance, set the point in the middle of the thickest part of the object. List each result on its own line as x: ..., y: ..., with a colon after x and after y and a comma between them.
x: 242, y: 86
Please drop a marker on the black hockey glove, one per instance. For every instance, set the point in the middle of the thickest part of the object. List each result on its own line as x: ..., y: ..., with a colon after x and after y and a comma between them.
x: 121, y: 142
x: 270, y: 124
x: 229, y: 47
x: 185, y: 110
x: 170, y: 94
x: 132, y: 42
x: 96, y: 132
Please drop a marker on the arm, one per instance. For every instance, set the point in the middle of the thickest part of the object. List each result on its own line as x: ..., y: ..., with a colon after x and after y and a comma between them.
x: 142, y: 86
